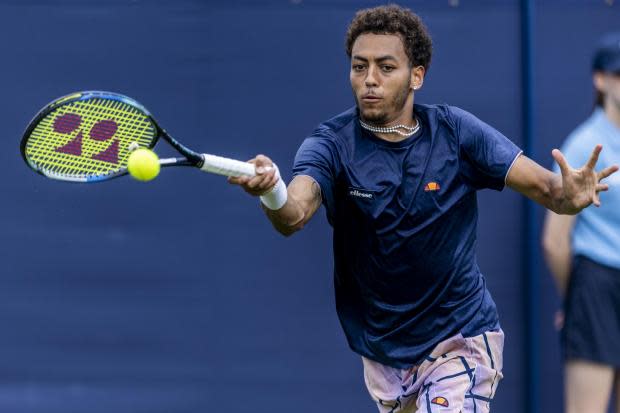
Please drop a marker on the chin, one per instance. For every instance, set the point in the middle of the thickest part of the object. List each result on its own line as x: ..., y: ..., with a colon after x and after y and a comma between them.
x: 373, y: 115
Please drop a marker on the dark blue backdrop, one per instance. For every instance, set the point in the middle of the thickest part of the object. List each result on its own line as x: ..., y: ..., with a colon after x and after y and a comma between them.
x: 176, y: 296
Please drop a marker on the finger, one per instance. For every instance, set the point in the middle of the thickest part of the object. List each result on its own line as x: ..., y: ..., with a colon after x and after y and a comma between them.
x: 594, y: 157
x: 272, y: 182
x: 607, y: 171
x: 602, y: 187
x: 268, y: 183
x: 596, y: 200
x: 561, y: 160
x: 242, y: 180
x: 264, y: 165
x: 264, y: 169
x: 267, y: 177
x: 262, y: 160
x: 260, y: 170
x: 238, y: 180
x: 253, y: 183
x: 256, y: 181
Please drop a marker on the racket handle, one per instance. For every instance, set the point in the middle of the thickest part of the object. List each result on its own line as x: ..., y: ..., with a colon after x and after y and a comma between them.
x: 225, y: 166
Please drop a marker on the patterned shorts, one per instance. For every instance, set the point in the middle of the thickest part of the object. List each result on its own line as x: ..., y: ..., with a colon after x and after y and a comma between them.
x: 460, y: 375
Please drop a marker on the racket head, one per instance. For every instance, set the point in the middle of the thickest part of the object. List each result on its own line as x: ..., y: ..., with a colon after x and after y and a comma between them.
x: 86, y: 136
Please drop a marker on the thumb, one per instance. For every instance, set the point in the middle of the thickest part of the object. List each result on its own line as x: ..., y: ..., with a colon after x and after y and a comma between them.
x: 263, y: 164
x: 561, y: 160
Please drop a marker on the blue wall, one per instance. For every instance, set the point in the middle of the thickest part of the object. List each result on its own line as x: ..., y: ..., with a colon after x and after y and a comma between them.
x: 176, y: 295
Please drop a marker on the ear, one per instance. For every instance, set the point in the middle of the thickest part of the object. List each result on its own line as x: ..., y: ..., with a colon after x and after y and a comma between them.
x: 598, y: 79
x: 417, y: 77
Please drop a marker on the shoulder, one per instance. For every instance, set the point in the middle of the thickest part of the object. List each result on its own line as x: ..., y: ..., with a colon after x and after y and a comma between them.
x: 330, y: 138
x: 461, y: 118
x: 445, y: 116
x: 335, y: 134
x: 339, y: 125
x: 434, y: 112
x: 444, y: 122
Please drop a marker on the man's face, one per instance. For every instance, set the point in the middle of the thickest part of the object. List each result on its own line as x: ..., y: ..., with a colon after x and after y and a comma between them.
x: 381, y: 78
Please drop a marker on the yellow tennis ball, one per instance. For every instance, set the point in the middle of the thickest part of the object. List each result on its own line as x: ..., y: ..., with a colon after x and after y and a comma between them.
x: 143, y: 164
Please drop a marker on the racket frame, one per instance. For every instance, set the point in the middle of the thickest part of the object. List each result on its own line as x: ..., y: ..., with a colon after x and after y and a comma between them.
x: 190, y: 158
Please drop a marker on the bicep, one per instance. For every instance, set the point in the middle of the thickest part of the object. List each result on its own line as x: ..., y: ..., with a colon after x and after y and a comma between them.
x: 306, y: 192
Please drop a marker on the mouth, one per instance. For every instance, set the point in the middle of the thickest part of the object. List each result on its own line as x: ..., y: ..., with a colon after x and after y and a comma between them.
x: 370, y: 98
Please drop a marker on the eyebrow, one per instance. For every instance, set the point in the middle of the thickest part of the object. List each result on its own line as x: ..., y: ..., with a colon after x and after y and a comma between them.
x: 378, y: 59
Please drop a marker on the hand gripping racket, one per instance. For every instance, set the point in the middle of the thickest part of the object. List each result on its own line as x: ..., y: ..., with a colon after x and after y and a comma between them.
x: 88, y: 136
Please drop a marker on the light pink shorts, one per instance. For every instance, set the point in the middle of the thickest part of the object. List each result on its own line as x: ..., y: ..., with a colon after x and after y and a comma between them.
x: 460, y: 375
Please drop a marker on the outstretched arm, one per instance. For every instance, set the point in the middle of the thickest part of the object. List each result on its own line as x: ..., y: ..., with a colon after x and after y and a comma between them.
x: 567, y: 193
x: 303, y: 196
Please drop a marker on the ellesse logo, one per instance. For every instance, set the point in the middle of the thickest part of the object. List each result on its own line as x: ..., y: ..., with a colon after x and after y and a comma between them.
x: 361, y: 193
x: 431, y: 186
x: 441, y: 401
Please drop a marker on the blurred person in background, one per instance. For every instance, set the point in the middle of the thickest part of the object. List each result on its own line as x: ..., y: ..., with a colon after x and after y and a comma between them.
x: 583, y: 254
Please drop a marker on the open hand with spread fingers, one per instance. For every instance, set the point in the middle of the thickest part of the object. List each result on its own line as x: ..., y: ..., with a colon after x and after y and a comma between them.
x: 581, y: 186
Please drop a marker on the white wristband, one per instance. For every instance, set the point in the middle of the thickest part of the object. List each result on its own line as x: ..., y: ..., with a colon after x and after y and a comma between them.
x: 276, y: 198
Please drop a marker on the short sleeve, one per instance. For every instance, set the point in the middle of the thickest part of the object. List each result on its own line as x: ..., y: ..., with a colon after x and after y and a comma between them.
x: 486, y: 155
x: 317, y: 157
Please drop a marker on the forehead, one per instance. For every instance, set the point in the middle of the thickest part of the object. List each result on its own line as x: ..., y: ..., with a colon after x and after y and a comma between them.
x: 370, y: 45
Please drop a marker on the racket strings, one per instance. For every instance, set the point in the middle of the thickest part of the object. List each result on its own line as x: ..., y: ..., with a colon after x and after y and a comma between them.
x: 88, y: 138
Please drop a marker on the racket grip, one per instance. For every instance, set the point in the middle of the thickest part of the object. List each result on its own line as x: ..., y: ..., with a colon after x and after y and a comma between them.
x: 225, y: 166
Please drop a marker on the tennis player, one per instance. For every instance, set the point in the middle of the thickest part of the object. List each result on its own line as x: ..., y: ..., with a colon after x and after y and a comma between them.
x: 399, y: 182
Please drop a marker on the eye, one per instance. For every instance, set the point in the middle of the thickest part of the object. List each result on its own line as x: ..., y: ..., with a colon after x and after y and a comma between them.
x: 358, y: 68
x: 387, y: 68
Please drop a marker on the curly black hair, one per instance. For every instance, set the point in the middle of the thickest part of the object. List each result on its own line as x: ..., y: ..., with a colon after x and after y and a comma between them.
x: 394, y: 19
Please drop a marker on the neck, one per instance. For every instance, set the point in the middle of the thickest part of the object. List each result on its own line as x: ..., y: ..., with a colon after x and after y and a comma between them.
x: 409, y: 122
x: 394, y: 132
x: 403, y: 117
x: 613, y: 113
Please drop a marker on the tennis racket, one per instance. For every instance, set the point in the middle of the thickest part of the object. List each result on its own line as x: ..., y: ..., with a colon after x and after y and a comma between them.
x: 88, y: 136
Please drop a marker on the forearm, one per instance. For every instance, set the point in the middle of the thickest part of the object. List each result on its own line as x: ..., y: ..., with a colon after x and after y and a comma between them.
x: 558, y: 258
x: 556, y: 243
x: 288, y: 208
x: 541, y: 186
x: 303, y: 198
x: 544, y: 187
x: 288, y: 219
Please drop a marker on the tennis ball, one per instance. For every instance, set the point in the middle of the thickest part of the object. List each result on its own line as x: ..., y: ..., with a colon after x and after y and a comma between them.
x: 143, y: 164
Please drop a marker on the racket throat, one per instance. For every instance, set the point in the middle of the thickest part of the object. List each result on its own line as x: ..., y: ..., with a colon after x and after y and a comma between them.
x: 194, y: 158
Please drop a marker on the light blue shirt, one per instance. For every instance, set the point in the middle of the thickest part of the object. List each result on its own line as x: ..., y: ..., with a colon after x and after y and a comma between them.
x: 597, y: 230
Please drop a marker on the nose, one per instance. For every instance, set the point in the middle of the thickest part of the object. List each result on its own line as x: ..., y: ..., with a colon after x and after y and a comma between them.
x: 371, y: 78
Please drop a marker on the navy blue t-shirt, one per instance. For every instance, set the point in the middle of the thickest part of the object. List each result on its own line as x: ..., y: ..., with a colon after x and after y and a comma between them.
x: 404, y: 216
